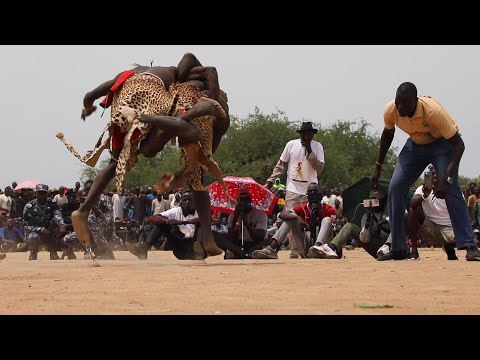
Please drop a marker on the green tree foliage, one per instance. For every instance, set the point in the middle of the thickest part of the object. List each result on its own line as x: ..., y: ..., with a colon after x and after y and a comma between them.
x: 350, y: 152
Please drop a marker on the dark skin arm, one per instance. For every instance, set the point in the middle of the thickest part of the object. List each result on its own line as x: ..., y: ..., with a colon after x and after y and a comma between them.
x: 385, y: 143
x: 458, y: 146
x: 256, y: 234
x: 101, y: 90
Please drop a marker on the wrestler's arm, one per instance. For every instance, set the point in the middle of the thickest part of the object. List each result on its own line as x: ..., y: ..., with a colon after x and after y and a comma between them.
x: 91, y: 96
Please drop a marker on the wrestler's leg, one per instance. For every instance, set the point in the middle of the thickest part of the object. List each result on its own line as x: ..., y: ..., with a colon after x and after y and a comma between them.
x: 154, y: 142
x: 201, y: 200
x: 220, y: 126
x: 186, y: 64
x: 80, y: 216
x: 204, y: 78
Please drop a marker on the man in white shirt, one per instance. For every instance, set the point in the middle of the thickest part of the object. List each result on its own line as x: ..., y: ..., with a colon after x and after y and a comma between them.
x: 178, y: 225
x: 118, y: 205
x: 160, y: 204
x: 303, y: 160
x: 429, y: 219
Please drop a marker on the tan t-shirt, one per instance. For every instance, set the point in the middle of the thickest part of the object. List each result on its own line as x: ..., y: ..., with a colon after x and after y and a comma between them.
x: 429, y: 122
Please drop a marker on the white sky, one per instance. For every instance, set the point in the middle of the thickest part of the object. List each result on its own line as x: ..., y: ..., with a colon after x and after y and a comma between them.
x: 42, y: 88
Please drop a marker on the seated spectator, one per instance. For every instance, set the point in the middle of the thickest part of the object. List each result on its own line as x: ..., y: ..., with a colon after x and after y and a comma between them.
x: 373, y: 235
x: 12, y: 238
x: 247, y: 228
x: 429, y: 220
x: 220, y: 226
x: 178, y: 225
x: 45, y: 223
x: 299, y: 220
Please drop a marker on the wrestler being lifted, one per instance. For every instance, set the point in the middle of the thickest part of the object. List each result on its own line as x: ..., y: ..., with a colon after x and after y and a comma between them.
x: 143, y: 89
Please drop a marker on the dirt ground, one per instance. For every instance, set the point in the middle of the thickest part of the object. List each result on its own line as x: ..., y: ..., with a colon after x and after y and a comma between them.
x: 162, y: 284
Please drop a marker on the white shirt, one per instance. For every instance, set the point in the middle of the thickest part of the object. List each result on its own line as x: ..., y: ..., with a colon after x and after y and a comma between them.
x: 160, y: 206
x: 300, y: 173
x: 435, y: 209
x: 118, y: 204
x: 177, y: 214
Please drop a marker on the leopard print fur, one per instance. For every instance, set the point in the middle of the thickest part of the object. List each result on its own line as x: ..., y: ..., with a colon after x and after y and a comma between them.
x: 197, y: 156
x: 146, y: 94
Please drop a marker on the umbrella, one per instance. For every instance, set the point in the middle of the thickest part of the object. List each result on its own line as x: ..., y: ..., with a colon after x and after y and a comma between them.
x: 27, y: 184
x: 262, y: 198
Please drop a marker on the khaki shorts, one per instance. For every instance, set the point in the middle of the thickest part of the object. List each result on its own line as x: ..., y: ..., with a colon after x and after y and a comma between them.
x: 437, y: 234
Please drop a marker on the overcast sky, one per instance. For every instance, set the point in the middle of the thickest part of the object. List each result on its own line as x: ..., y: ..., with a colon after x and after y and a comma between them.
x: 42, y: 89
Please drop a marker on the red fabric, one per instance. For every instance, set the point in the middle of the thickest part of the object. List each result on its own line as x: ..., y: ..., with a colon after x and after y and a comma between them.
x: 119, y: 135
x: 303, y: 211
x: 107, y: 100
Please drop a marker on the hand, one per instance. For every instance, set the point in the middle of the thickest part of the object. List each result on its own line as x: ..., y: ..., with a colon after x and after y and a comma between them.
x: 374, y: 180
x: 63, y: 230
x: 307, y: 146
x: 86, y: 112
x: 441, y: 189
x: 268, y: 184
x: 426, y: 191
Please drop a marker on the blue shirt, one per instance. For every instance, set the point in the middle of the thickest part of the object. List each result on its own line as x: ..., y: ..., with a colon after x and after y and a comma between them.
x: 13, y: 235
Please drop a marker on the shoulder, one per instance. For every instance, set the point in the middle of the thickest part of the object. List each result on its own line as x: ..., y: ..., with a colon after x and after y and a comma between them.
x: 390, y: 109
x: 430, y: 105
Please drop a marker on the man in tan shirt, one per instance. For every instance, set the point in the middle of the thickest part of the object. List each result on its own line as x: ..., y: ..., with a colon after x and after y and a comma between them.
x: 434, y: 138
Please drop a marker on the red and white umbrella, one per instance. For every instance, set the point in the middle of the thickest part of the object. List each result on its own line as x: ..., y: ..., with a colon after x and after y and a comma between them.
x: 262, y: 198
x: 27, y: 184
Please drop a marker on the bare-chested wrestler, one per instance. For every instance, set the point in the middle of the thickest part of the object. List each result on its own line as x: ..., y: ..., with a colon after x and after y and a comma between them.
x: 145, y: 90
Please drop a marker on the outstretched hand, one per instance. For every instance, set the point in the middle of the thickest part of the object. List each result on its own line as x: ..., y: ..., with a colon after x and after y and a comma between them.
x: 87, y: 112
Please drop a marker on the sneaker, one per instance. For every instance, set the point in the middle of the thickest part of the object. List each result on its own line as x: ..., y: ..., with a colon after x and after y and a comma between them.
x: 450, y: 251
x: 266, y: 253
x: 322, y: 252
x: 395, y: 255
x: 294, y: 254
x: 384, y: 250
x: 473, y: 254
x: 54, y: 256
x: 413, y: 253
x: 139, y: 250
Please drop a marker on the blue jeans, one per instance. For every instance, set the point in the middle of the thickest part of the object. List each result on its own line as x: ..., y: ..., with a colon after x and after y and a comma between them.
x: 413, y: 159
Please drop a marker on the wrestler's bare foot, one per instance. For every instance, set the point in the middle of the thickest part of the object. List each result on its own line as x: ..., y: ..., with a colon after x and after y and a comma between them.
x: 200, y: 253
x: 204, y: 106
x: 3, y: 256
x: 166, y: 181
x: 80, y: 226
x: 209, y: 243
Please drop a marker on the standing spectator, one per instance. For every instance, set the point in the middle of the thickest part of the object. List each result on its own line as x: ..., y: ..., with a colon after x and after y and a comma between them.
x: 6, y: 201
x: 160, y: 204
x: 118, y: 205
x: 60, y: 198
x: 434, y: 138
x: 303, y: 161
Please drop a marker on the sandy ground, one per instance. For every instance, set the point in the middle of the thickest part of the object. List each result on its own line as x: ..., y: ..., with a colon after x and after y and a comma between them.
x: 162, y: 284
